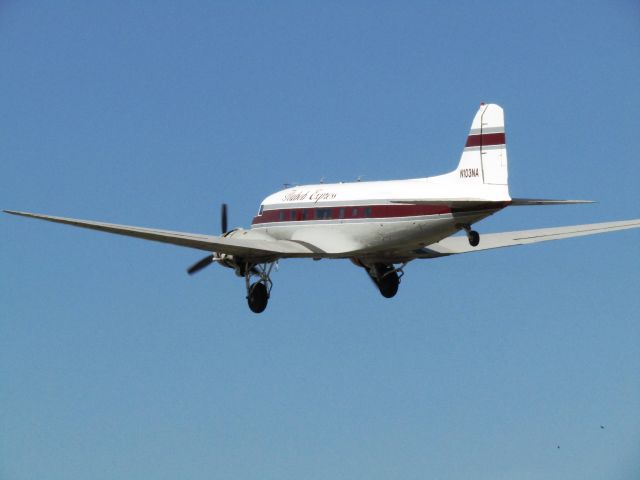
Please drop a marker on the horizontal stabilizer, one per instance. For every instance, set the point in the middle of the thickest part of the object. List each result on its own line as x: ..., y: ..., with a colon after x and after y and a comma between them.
x: 519, y: 202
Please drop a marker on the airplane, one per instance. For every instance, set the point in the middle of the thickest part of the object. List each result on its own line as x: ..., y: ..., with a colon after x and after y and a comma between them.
x: 379, y: 226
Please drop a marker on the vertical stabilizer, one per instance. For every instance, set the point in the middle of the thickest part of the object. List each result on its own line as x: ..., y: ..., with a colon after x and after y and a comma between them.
x: 484, y: 159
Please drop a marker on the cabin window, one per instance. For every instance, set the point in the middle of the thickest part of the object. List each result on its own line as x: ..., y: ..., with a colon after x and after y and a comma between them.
x: 282, y: 215
x: 303, y: 214
x: 322, y: 213
x: 292, y: 215
x: 367, y: 212
x: 354, y: 212
x: 341, y: 212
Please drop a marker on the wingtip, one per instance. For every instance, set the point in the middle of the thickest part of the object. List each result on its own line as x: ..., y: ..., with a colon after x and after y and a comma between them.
x: 16, y: 212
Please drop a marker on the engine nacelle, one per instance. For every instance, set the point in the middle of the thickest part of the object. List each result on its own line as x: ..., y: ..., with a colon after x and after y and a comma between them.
x: 231, y: 261
x: 227, y: 261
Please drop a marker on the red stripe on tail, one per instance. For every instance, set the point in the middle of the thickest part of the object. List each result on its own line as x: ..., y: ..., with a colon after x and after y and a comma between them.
x: 485, y: 140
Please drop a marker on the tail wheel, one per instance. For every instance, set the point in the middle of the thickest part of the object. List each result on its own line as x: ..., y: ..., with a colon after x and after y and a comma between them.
x: 474, y: 238
x: 258, y: 297
x: 472, y: 235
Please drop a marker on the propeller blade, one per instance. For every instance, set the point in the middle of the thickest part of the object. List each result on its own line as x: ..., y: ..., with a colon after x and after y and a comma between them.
x: 205, y: 262
x: 209, y: 259
x: 223, y: 218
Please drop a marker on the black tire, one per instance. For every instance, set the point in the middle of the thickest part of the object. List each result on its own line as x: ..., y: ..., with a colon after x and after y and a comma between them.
x: 388, y: 285
x: 258, y: 297
x: 474, y: 238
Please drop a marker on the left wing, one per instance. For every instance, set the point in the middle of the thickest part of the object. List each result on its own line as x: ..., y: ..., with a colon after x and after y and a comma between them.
x: 460, y: 244
x: 263, y: 247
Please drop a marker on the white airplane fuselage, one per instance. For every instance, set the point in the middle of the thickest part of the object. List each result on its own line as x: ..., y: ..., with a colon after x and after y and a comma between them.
x: 376, y: 218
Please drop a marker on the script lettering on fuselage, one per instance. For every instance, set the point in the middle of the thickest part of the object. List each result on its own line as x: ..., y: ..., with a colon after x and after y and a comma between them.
x: 314, y: 196
x: 469, y: 173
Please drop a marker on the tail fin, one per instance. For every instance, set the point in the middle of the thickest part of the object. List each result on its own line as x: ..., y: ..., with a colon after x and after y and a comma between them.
x: 484, y: 159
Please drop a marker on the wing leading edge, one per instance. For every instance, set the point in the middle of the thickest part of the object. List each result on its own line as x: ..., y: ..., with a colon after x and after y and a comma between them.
x: 232, y: 245
x: 459, y: 244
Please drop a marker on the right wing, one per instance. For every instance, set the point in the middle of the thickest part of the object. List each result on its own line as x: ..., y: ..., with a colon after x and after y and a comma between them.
x: 460, y: 244
x: 232, y: 245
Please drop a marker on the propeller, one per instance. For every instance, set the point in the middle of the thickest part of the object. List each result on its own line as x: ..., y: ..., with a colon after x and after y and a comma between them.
x: 209, y: 259
x: 223, y: 218
x: 199, y: 265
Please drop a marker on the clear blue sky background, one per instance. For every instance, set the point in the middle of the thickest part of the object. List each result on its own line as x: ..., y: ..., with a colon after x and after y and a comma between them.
x: 116, y: 364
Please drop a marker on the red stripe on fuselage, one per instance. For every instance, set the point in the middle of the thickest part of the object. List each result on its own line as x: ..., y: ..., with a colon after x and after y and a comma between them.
x: 348, y: 212
x: 485, y: 140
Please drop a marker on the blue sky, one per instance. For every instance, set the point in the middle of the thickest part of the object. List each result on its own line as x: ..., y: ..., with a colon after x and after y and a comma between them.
x: 116, y: 364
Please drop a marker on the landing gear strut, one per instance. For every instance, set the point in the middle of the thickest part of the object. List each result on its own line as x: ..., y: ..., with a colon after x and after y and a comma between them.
x: 258, y: 293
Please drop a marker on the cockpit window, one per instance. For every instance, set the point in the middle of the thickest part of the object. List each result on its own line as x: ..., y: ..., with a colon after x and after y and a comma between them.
x: 261, y: 210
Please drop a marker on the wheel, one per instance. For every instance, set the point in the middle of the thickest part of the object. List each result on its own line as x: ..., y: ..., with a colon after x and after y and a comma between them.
x: 388, y: 285
x: 474, y: 238
x: 258, y: 297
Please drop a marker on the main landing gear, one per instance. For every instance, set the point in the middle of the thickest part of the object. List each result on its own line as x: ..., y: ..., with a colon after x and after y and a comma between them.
x: 258, y: 293
x: 386, y: 277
